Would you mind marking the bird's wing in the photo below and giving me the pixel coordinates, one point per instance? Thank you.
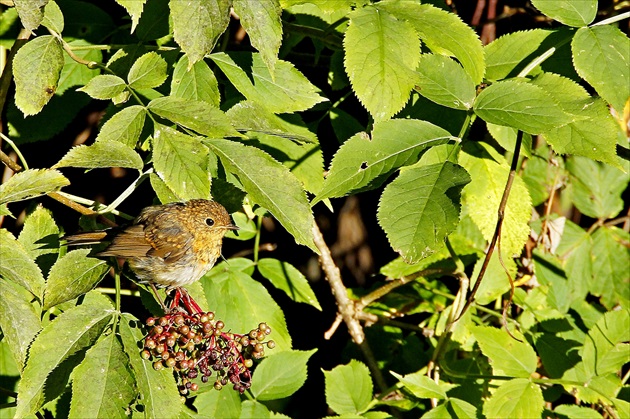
(128, 243)
(168, 238)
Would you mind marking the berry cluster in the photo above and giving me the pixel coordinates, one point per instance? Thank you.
(197, 345)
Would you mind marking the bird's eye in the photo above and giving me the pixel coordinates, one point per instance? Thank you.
(210, 221)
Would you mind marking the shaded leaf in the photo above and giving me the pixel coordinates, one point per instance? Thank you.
(287, 278)
(421, 386)
(219, 404)
(197, 82)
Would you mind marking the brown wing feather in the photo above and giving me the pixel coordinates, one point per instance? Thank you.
(129, 243)
(92, 237)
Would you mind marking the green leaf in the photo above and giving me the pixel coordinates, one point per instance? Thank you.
(549, 272)
(611, 264)
(252, 116)
(147, 72)
(506, 137)
(601, 56)
(104, 87)
(421, 386)
(594, 135)
(270, 185)
(124, 126)
(219, 404)
(53, 17)
(482, 197)
(71, 332)
(577, 412)
(287, 91)
(518, 398)
(198, 116)
(104, 153)
(287, 278)
(452, 408)
(40, 234)
(596, 187)
(460, 40)
(73, 275)
(495, 281)
(18, 266)
(163, 192)
(111, 390)
(197, 25)
(362, 164)
(421, 207)
(76, 74)
(157, 389)
(445, 82)
(571, 13)
(243, 303)
(508, 54)
(575, 250)
(180, 161)
(31, 183)
(20, 320)
(381, 54)
(261, 20)
(348, 388)
(134, 8)
(507, 355)
(280, 375)
(606, 349)
(31, 12)
(520, 105)
(36, 69)
(251, 409)
(195, 83)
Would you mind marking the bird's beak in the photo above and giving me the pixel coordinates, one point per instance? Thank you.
(232, 227)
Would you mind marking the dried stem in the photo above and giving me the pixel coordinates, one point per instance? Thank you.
(346, 306)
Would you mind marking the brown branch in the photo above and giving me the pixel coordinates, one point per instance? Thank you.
(346, 306)
(500, 217)
(9, 163)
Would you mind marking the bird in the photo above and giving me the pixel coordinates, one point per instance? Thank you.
(167, 246)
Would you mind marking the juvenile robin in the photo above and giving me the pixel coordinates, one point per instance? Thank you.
(168, 245)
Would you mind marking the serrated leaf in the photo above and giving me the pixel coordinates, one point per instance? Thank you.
(197, 82)
(460, 40)
(261, 20)
(147, 72)
(482, 196)
(252, 116)
(495, 281)
(73, 275)
(288, 91)
(180, 161)
(36, 70)
(611, 267)
(577, 412)
(18, 266)
(195, 115)
(197, 25)
(108, 393)
(348, 388)
(40, 234)
(421, 207)
(571, 13)
(508, 54)
(520, 105)
(362, 164)
(518, 398)
(104, 87)
(163, 192)
(601, 56)
(507, 355)
(443, 81)
(219, 404)
(280, 375)
(452, 408)
(31, 12)
(134, 8)
(20, 320)
(53, 17)
(421, 386)
(594, 135)
(71, 332)
(243, 303)
(596, 187)
(270, 185)
(31, 183)
(287, 278)
(381, 54)
(606, 349)
(124, 126)
(159, 395)
(104, 153)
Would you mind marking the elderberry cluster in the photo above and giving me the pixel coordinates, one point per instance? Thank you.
(197, 345)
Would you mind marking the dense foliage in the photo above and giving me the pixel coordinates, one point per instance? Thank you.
(500, 172)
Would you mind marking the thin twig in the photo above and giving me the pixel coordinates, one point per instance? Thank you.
(497, 230)
(346, 306)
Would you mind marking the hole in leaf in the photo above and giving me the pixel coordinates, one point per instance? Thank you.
(364, 165)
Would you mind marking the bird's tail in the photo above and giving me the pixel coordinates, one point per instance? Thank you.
(90, 237)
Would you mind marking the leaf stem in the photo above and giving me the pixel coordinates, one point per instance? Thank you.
(126, 192)
(257, 238)
(17, 151)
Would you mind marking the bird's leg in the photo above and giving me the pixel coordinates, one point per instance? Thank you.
(158, 298)
(190, 304)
